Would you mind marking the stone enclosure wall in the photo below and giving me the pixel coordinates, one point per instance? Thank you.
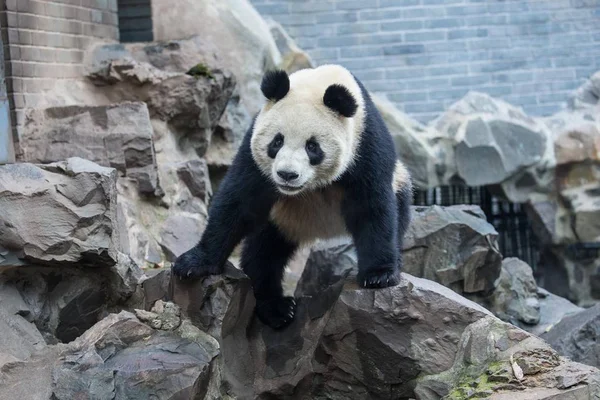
(44, 42)
(426, 54)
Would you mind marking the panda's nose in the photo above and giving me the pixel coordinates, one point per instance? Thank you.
(287, 175)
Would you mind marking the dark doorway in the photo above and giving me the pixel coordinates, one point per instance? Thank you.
(135, 20)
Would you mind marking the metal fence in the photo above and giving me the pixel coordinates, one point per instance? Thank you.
(515, 235)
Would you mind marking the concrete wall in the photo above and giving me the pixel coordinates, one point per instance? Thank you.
(425, 54)
(44, 41)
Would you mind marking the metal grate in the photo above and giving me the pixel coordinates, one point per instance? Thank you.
(515, 236)
(135, 21)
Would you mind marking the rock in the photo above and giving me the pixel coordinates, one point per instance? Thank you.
(237, 33)
(117, 136)
(17, 378)
(125, 279)
(416, 340)
(195, 175)
(242, 43)
(571, 272)
(578, 145)
(483, 368)
(19, 337)
(583, 203)
(543, 218)
(228, 134)
(552, 310)
(61, 214)
(485, 141)
(191, 105)
(576, 336)
(454, 246)
(156, 286)
(208, 301)
(122, 358)
(164, 315)
(412, 141)
(64, 302)
(515, 298)
(181, 172)
(293, 58)
(180, 233)
(494, 142)
(588, 95)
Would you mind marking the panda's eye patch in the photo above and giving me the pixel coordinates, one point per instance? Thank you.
(275, 145)
(315, 154)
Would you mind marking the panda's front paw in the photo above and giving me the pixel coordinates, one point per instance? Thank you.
(277, 312)
(192, 265)
(379, 278)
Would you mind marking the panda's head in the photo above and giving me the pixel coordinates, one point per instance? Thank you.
(307, 133)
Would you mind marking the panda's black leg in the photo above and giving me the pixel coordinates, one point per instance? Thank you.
(372, 219)
(242, 202)
(264, 257)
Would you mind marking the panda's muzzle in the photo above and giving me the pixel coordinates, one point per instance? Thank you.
(288, 176)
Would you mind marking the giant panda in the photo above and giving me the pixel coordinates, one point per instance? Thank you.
(317, 162)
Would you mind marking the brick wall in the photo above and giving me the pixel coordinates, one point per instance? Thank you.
(44, 41)
(426, 54)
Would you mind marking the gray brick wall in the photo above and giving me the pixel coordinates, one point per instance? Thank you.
(44, 40)
(426, 54)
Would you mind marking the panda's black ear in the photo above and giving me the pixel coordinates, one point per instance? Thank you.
(275, 84)
(339, 99)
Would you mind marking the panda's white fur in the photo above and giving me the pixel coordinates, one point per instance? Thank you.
(314, 211)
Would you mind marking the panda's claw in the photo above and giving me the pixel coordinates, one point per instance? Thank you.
(192, 265)
(380, 278)
(277, 312)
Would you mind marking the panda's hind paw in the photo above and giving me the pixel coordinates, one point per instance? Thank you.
(191, 265)
(277, 312)
(380, 278)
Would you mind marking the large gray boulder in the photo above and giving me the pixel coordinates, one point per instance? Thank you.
(515, 298)
(553, 309)
(121, 358)
(117, 136)
(576, 336)
(416, 340)
(485, 133)
(61, 214)
(454, 246)
(190, 103)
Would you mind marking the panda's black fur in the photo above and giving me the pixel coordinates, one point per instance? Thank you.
(376, 217)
